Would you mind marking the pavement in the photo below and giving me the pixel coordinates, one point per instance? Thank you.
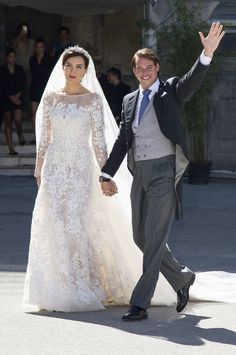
(204, 240)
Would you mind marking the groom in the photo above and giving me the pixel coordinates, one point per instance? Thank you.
(151, 134)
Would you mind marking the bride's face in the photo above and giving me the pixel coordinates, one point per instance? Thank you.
(74, 69)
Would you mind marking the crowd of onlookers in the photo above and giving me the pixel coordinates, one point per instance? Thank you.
(24, 75)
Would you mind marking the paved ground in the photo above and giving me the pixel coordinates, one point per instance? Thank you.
(205, 239)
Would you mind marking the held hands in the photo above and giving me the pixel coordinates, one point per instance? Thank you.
(212, 41)
(109, 188)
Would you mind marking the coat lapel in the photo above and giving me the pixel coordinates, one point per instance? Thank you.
(157, 101)
(131, 106)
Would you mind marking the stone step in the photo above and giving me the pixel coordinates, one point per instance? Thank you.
(17, 170)
(22, 164)
(21, 149)
(20, 160)
(28, 134)
(27, 125)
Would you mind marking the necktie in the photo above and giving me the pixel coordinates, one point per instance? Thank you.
(144, 103)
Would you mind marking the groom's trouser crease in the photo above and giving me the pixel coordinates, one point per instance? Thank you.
(153, 206)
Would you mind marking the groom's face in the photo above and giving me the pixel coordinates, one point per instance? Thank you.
(146, 71)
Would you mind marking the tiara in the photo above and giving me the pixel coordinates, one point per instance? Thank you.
(76, 49)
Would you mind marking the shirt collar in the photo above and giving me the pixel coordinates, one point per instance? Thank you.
(154, 87)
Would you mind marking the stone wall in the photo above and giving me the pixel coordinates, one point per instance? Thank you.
(122, 38)
(222, 117)
(86, 31)
(113, 38)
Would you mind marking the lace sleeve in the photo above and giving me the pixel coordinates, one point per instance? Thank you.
(45, 137)
(98, 132)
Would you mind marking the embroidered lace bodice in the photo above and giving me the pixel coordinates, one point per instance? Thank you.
(69, 120)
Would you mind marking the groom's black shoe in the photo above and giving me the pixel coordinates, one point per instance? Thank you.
(135, 313)
(183, 295)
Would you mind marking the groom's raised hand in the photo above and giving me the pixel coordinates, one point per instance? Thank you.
(109, 188)
(212, 41)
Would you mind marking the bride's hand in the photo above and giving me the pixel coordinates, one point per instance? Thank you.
(109, 188)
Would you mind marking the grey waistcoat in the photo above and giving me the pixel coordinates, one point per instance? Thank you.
(149, 142)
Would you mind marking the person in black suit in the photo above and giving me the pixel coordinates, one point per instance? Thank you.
(117, 92)
(13, 85)
(152, 135)
(41, 66)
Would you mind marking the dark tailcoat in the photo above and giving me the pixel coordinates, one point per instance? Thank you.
(168, 104)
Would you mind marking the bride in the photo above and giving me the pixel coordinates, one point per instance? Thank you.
(82, 256)
(73, 265)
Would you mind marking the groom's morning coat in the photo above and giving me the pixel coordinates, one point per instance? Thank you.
(168, 103)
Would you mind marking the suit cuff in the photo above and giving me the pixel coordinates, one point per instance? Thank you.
(106, 175)
(204, 59)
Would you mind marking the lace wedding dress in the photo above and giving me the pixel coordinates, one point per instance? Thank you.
(82, 256)
(73, 265)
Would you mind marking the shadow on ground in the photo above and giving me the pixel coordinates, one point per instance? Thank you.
(163, 323)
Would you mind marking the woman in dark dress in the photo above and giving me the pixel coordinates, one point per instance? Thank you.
(40, 69)
(13, 85)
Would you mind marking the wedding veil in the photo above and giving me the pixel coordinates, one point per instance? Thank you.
(56, 82)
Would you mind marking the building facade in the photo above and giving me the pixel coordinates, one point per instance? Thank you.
(113, 30)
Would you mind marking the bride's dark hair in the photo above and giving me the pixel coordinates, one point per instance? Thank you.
(76, 51)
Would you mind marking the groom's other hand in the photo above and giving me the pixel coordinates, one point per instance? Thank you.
(109, 188)
(212, 40)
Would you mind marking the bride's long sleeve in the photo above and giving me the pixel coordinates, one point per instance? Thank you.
(98, 133)
(44, 137)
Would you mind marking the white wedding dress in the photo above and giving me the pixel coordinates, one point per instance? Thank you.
(82, 256)
(74, 264)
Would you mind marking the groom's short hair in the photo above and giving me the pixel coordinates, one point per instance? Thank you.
(147, 53)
